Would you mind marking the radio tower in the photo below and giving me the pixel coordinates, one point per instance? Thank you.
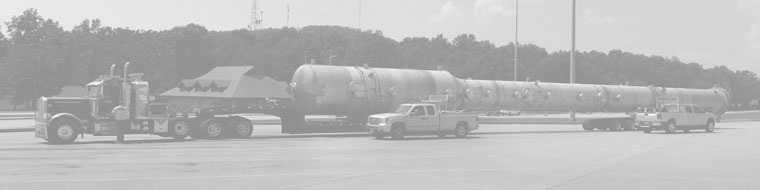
(256, 16)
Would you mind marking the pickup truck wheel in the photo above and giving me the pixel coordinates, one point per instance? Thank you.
(397, 133)
(710, 127)
(62, 132)
(670, 128)
(179, 129)
(461, 131)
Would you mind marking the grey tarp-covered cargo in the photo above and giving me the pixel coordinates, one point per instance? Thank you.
(235, 82)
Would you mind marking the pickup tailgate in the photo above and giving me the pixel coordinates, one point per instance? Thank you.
(647, 117)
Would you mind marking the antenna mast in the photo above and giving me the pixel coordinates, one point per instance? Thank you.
(256, 16)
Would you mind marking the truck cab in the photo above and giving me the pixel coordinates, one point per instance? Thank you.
(421, 119)
(672, 116)
(113, 106)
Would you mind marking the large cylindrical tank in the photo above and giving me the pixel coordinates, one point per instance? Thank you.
(713, 99)
(484, 94)
(360, 91)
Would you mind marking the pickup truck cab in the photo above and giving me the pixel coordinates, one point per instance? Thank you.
(421, 119)
(675, 116)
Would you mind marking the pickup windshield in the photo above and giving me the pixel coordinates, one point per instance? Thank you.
(403, 109)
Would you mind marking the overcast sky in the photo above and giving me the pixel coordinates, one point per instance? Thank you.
(709, 32)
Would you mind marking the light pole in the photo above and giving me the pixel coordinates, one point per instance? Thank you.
(305, 57)
(516, 43)
(331, 56)
(572, 48)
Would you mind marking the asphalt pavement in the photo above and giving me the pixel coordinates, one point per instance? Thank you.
(493, 157)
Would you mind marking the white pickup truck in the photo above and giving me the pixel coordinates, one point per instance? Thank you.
(421, 119)
(675, 116)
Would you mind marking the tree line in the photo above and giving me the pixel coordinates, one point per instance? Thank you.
(38, 57)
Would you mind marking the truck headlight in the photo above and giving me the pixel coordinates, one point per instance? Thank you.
(382, 120)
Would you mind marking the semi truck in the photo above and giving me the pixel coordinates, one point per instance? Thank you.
(114, 106)
(211, 106)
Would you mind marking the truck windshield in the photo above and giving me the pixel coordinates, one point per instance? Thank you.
(93, 91)
(403, 109)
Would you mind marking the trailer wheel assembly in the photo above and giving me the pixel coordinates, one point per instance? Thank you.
(208, 129)
(615, 126)
(179, 129)
(239, 128)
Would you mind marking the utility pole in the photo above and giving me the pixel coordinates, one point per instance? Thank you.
(360, 14)
(287, 22)
(331, 56)
(305, 57)
(572, 49)
(516, 43)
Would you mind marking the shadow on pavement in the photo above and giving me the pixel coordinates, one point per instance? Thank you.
(144, 141)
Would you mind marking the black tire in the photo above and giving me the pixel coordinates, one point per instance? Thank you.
(240, 128)
(179, 129)
(648, 129)
(63, 132)
(398, 132)
(461, 130)
(616, 126)
(209, 129)
(586, 126)
(670, 127)
(378, 135)
(710, 127)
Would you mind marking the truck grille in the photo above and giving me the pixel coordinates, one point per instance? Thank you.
(40, 115)
(373, 121)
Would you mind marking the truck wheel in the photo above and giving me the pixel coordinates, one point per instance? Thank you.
(461, 130)
(179, 129)
(241, 128)
(63, 132)
(616, 126)
(210, 129)
(397, 132)
(378, 135)
(710, 127)
(587, 127)
(648, 129)
(670, 128)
